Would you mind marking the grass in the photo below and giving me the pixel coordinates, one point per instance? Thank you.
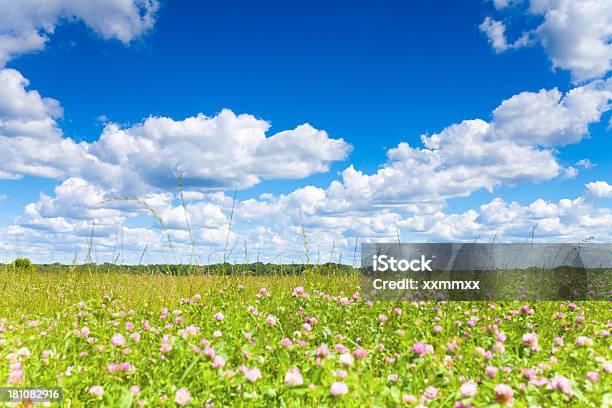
(54, 291)
(59, 327)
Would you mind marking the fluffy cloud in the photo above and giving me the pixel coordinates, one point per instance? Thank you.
(56, 159)
(192, 195)
(600, 189)
(26, 24)
(469, 156)
(574, 33)
(472, 155)
(501, 4)
(217, 152)
(406, 195)
(585, 163)
(453, 163)
(31, 142)
(76, 198)
(272, 228)
(496, 33)
(568, 220)
(549, 118)
(200, 215)
(24, 112)
(565, 220)
(66, 242)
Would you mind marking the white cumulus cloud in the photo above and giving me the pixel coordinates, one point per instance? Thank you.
(549, 118)
(600, 189)
(574, 33)
(217, 152)
(272, 228)
(26, 24)
(496, 33)
(25, 112)
(108, 186)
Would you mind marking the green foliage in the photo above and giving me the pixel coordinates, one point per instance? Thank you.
(252, 269)
(60, 328)
(23, 265)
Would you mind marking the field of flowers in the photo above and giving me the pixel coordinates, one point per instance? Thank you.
(125, 340)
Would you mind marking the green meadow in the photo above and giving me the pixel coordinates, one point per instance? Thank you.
(296, 336)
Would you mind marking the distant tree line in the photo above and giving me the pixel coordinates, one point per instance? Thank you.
(256, 269)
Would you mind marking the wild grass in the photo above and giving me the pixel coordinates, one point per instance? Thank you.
(54, 288)
(44, 315)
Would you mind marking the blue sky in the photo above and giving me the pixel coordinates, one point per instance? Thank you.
(374, 74)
